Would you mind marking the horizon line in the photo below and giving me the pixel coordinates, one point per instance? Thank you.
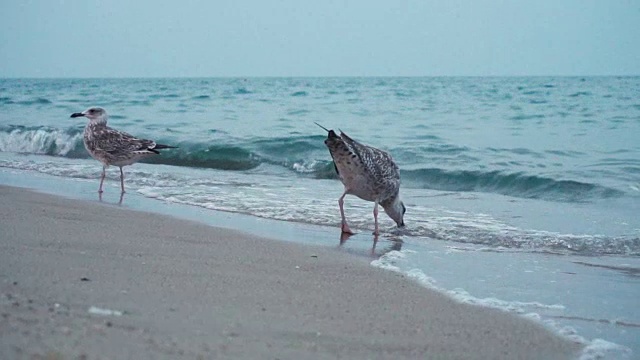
(305, 76)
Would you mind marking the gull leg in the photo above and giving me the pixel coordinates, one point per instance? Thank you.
(345, 226)
(104, 170)
(375, 218)
(122, 180)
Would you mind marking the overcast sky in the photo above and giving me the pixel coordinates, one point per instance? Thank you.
(146, 38)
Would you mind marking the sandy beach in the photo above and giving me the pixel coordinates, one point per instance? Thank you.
(82, 280)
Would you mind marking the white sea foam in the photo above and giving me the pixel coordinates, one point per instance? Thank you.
(305, 166)
(271, 197)
(39, 141)
(596, 349)
(599, 349)
(390, 261)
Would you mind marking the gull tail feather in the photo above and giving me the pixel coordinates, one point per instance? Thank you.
(324, 128)
(162, 146)
(332, 133)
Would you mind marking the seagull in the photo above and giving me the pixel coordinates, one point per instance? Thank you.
(368, 173)
(113, 147)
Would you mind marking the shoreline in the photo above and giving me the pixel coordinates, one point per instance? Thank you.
(189, 290)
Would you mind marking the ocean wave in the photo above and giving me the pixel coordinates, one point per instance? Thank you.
(501, 237)
(580, 93)
(164, 96)
(243, 91)
(306, 155)
(292, 153)
(42, 140)
(221, 157)
(35, 101)
(201, 97)
(511, 184)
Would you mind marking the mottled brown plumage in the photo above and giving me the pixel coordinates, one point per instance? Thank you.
(368, 173)
(113, 147)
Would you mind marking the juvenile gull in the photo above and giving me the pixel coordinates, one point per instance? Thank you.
(368, 173)
(113, 147)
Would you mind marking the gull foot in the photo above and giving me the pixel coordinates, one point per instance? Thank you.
(346, 230)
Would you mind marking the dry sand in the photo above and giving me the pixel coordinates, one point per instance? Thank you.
(192, 291)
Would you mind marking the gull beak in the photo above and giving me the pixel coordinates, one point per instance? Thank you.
(75, 115)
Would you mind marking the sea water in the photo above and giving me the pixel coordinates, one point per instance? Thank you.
(521, 193)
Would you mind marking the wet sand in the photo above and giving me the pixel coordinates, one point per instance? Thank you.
(180, 289)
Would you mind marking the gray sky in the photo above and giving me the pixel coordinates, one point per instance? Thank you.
(146, 38)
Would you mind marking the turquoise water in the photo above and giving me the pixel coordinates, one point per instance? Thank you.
(531, 166)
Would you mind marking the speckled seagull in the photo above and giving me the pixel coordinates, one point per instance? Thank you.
(113, 147)
(368, 173)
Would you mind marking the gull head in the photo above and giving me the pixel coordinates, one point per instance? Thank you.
(93, 113)
(396, 210)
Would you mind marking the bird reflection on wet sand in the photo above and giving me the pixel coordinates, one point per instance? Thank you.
(395, 244)
(119, 201)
